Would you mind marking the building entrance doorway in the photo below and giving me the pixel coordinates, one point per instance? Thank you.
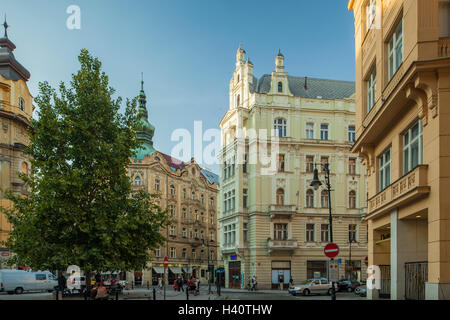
(281, 274)
(416, 274)
(234, 275)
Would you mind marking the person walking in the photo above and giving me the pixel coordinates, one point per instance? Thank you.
(198, 285)
(160, 283)
(61, 282)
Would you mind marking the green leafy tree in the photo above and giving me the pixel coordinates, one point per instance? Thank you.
(81, 209)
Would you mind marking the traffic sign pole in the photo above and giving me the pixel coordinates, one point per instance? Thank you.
(166, 264)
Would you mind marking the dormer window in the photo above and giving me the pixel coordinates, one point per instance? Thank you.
(280, 86)
(137, 181)
(21, 104)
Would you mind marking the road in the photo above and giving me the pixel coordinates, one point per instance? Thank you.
(226, 294)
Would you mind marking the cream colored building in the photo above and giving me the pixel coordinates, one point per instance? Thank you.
(189, 193)
(274, 224)
(16, 108)
(403, 132)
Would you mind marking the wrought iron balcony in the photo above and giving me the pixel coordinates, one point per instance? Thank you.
(412, 186)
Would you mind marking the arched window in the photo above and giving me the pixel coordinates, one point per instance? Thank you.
(184, 194)
(309, 198)
(21, 104)
(352, 199)
(324, 198)
(280, 86)
(172, 189)
(137, 181)
(279, 126)
(280, 197)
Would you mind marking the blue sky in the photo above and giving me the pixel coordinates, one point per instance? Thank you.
(186, 48)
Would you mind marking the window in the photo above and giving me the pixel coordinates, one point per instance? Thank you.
(324, 233)
(172, 211)
(173, 231)
(211, 255)
(193, 195)
(244, 166)
(238, 101)
(352, 199)
(280, 197)
(280, 231)
(309, 232)
(371, 82)
(245, 198)
(193, 254)
(309, 198)
(245, 232)
(202, 199)
(157, 186)
(352, 232)
(211, 236)
(352, 166)
(324, 198)
(230, 234)
(385, 169)
(184, 233)
(444, 19)
(412, 147)
(351, 134)
(280, 87)
(21, 104)
(158, 252)
(184, 253)
(211, 218)
(202, 234)
(309, 163)
(184, 194)
(395, 50)
(310, 131)
(281, 163)
(211, 201)
(137, 181)
(279, 126)
(233, 201)
(202, 217)
(371, 12)
(190, 233)
(184, 213)
(41, 276)
(196, 234)
(324, 132)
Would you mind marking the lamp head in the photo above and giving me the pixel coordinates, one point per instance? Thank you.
(315, 183)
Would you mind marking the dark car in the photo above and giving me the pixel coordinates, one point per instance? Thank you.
(348, 285)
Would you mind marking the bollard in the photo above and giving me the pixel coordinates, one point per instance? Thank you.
(187, 294)
(154, 294)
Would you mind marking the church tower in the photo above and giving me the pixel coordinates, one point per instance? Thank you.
(146, 129)
(16, 108)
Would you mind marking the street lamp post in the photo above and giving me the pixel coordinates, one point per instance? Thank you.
(316, 183)
(209, 270)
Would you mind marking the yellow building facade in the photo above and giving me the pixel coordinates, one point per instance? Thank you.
(189, 194)
(16, 108)
(403, 133)
(272, 224)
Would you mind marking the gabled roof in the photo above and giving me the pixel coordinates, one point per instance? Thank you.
(323, 88)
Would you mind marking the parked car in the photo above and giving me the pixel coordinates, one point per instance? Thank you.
(19, 281)
(312, 286)
(348, 285)
(361, 291)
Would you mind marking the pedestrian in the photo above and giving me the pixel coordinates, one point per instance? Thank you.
(98, 278)
(291, 281)
(198, 286)
(61, 282)
(256, 284)
(160, 283)
(175, 285)
(182, 283)
(253, 283)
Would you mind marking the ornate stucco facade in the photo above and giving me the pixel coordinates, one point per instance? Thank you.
(16, 107)
(274, 224)
(189, 193)
(403, 130)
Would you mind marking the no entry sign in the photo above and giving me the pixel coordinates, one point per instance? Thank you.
(331, 250)
(166, 262)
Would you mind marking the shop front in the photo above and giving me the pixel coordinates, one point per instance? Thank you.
(281, 274)
(234, 274)
(316, 269)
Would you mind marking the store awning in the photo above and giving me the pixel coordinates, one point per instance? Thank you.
(176, 270)
(159, 270)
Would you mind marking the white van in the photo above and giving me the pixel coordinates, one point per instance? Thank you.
(18, 281)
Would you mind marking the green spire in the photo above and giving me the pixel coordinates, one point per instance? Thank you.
(146, 129)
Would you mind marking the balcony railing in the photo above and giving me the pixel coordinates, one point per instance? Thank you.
(444, 47)
(283, 245)
(281, 211)
(411, 186)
